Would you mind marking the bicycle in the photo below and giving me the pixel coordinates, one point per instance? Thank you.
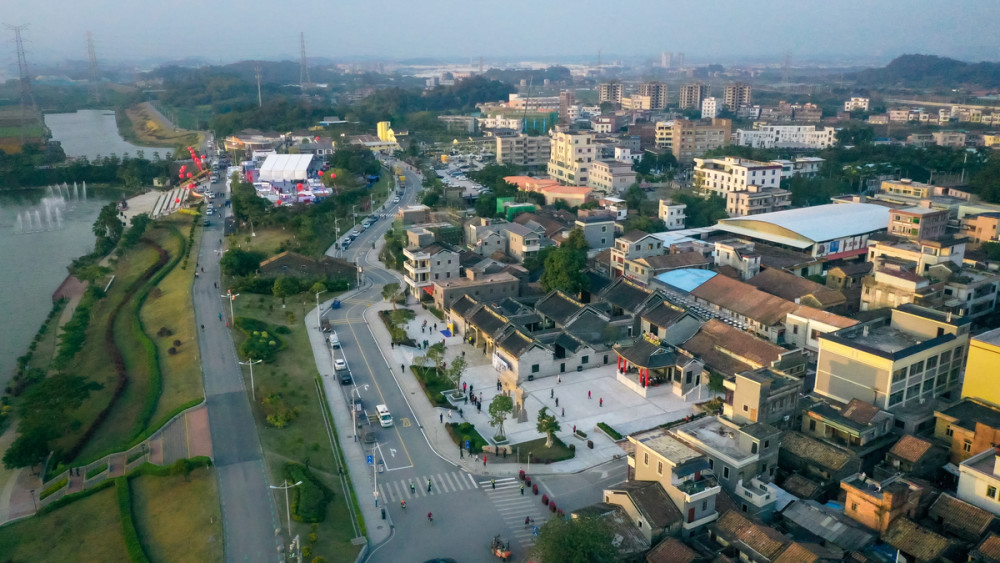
(430, 518)
(402, 504)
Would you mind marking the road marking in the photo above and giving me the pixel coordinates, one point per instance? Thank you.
(406, 422)
(392, 452)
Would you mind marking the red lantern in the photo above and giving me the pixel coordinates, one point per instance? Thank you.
(320, 172)
(317, 138)
(332, 175)
(299, 187)
(177, 200)
(190, 174)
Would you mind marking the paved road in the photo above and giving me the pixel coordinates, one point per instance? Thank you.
(248, 512)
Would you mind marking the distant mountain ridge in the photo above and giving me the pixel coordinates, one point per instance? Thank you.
(931, 70)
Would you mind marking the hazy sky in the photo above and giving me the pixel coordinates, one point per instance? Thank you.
(225, 30)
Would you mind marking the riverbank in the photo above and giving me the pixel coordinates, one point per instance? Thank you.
(142, 125)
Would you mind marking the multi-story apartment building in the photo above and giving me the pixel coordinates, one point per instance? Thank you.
(691, 95)
(915, 355)
(918, 223)
(657, 92)
(876, 504)
(524, 150)
(807, 166)
(691, 139)
(739, 255)
(632, 246)
(736, 95)
(672, 214)
(921, 255)
(710, 108)
(756, 200)
(680, 470)
(979, 480)
(856, 104)
(424, 266)
(954, 139)
(787, 137)
(982, 227)
(493, 287)
(567, 99)
(637, 102)
(598, 228)
(522, 242)
(611, 177)
(980, 372)
(610, 92)
(499, 122)
(571, 157)
(763, 395)
(967, 427)
(733, 174)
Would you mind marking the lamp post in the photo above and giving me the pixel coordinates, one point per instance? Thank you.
(250, 363)
(288, 510)
(354, 213)
(354, 411)
(375, 474)
(319, 321)
(231, 297)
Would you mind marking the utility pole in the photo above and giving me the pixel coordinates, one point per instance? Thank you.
(288, 510)
(95, 75)
(319, 321)
(256, 72)
(24, 76)
(253, 393)
(231, 297)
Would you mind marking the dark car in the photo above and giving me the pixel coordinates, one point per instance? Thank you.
(345, 378)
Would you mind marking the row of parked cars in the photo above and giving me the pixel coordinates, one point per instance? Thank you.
(358, 229)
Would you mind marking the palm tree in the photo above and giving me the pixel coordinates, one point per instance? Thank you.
(548, 425)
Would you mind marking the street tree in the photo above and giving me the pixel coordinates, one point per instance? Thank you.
(391, 293)
(565, 269)
(284, 286)
(500, 408)
(455, 370)
(575, 540)
(237, 262)
(548, 425)
(435, 353)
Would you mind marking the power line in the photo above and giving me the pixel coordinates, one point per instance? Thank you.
(95, 75)
(24, 76)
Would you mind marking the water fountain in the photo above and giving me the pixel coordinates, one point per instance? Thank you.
(59, 218)
(84, 191)
(76, 192)
(38, 219)
(20, 223)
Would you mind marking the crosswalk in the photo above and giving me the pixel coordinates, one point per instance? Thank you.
(441, 483)
(515, 507)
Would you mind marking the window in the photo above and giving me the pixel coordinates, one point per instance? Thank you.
(534, 368)
(917, 368)
(958, 352)
(659, 467)
(704, 505)
(928, 385)
(766, 443)
(795, 329)
(812, 425)
(854, 506)
(725, 472)
(746, 408)
(753, 448)
(949, 432)
(711, 463)
(912, 391)
(945, 356)
(584, 359)
(932, 362)
(896, 398)
(967, 446)
(991, 491)
(899, 375)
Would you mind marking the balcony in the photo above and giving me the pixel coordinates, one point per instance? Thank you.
(695, 491)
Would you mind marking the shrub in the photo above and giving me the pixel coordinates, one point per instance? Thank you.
(53, 488)
(611, 432)
(164, 332)
(132, 543)
(172, 351)
(308, 500)
(177, 343)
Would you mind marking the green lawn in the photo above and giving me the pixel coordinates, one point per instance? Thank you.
(433, 385)
(289, 380)
(178, 519)
(89, 528)
(540, 454)
(266, 241)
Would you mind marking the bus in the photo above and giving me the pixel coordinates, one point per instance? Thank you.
(384, 417)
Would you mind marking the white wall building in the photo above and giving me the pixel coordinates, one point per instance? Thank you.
(672, 214)
(787, 137)
(731, 174)
(807, 166)
(710, 108)
(855, 104)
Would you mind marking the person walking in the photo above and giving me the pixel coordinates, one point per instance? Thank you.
(558, 379)
(527, 521)
(464, 385)
(588, 393)
(601, 401)
(522, 489)
(493, 483)
(484, 461)
(557, 401)
(428, 485)
(413, 488)
(441, 417)
(471, 387)
(564, 412)
(552, 392)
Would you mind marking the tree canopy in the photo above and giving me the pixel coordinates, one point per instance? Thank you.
(575, 540)
(565, 267)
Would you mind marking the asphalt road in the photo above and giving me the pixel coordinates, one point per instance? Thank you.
(249, 518)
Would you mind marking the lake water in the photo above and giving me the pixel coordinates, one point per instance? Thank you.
(92, 133)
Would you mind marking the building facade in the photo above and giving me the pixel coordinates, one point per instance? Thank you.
(787, 137)
(710, 108)
(756, 200)
(733, 174)
(611, 177)
(424, 266)
(524, 150)
(736, 95)
(672, 214)
(918, 223)
(610, 92)
(856, 104)
(691, 95)
(572, 155)
(657, 93)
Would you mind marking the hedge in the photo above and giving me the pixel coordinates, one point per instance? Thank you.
(611, 432)
(96, 471)
(460, 432)
(57, 504)
(53, 488)
(308, 500)
(132, 543)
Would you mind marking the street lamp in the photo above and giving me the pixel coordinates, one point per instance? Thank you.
(319, 321)
(231, 297)
(375, 474)
(354, 411)
(288, 510)
(250, 363)
(354, 212)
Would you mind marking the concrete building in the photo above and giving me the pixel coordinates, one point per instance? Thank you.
(424, 266)
(571, 157)
(854, 426)
(522, 242)
(657, 93)
(918, 223)
(687, 140)
(787, 137)
(908, 359)
(672, 214)
(493, 287)
(681, 472)
(691, 95)
(648, 507)
(980, 372)
(739, 255)
(763, 395)
(524, 150)
(632, 246)
(805, 324)
(806, 166)
(721, 176)
(822, 465)
(611, 176)
(981, 227)
(979, 480)
(876, 504)
(756, 200)
(495, 122)
(598, 228)
(567, 99)
(710, 108)
(610, 92)
(967, 428)
(736, 95)
(856, 104)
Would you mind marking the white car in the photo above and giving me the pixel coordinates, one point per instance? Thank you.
(339, 364)
(395, 199)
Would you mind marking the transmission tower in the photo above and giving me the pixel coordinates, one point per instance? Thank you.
(95, 75)
(304, 82)
(786, 67)
(256, 72)
(27, 96)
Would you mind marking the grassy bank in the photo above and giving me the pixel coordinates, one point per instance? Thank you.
(174, 519)
(142, 127)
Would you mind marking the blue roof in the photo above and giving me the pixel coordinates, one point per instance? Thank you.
(686, 279)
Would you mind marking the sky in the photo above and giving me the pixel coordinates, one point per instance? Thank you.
(706, 30)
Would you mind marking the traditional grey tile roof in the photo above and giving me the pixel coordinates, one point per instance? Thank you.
(905, 535)
(663, 314)
(833, 528)
(515, 342)
(960, 518)
(648, 355)
(487, 320)
(820, 453)
(463, 305)
(626, 295)
(650, 498)
(588, 326)
(558, 306)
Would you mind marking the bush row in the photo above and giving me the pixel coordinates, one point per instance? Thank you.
(308, 500)
(132, 543)
(264, 285)
(611, 432)
(47, 491)
(465, 431)
(74, 332)
(63, 501)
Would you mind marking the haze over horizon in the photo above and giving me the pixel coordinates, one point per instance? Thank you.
(392, 30)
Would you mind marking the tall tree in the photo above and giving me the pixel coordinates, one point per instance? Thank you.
(391, 293)
(548, 425)
(285, 286)
(500, 408)
(575, 540)
(456, 370)
(435, 353)
(565, 269)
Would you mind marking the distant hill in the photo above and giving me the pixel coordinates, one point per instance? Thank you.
(931, 70)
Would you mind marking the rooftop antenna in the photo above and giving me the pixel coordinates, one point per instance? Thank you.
(95, 75)
(256, 73)
(303, 67)
(27, 96)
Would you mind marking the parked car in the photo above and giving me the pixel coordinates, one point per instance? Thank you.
(345, 378)
(334, 340)
(339, 364)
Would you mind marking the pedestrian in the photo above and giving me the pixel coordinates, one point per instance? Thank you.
(557, 401)
(493, 483)
(471, 387)
(460, 413)
(480, 396)
(215, 284)
(461, 453)
(428, 485)
(588, 393)
(413, 488)
(449, 413)
(479, 407)
(392, 344)
(402, 367)
(220, 316)
(564, 411)
(602, 401)
(522, 489)
(527, 521)
(552, 392)
(498, 385)
(574, 429)
(484, 461)
(441, 416)
(559, 379)
(464, 385)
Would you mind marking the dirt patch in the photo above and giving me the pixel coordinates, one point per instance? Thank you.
(150, 129)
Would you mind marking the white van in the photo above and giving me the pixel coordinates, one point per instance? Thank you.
(334, 340)
(384, 417)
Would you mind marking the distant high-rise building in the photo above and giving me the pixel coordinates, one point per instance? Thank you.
(692, 94)
(710, 108)
(566, 101)
(610, 92)
(665, 59)
(680, 59)
(657, 92)
(736, 95)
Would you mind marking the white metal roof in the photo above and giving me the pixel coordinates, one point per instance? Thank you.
(816, 224)
(285, 167)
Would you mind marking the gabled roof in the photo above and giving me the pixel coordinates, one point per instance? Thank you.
(463, 305)
(550, 224)
(588, 326)
(860, 411)
(672, 550)
(821, 453)
(764, 540)
(515, 343)
(744, 300)
(487, 320)
(988, 549)
(652, 501)
(626, 295)
(797, 553)
(822, 316)
(666, 262)
(910, 448)
(558, 306)
(634, 235)
(834, 528)
(800, 486)
(905, 535)
(791, 287)
(648, 355)
(663, 314)
(728, 350)
(960, 518)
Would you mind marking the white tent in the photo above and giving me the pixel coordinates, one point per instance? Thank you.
(285, 167)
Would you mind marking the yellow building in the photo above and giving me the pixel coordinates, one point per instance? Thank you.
(982, 374)
(385, 132)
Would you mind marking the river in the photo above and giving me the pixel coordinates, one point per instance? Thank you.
(92, 133)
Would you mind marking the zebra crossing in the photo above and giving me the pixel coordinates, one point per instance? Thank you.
(515, 507)
(441, 483)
